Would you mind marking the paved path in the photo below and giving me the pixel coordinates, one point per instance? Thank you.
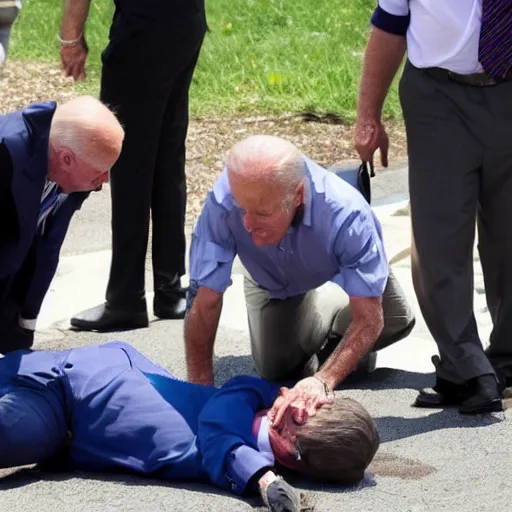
(428, 460)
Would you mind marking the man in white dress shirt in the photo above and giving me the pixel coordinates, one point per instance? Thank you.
(456, 97)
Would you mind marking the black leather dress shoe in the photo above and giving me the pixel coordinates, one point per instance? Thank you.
(103, 318)
(170, 305)
(443, 394)
(484, 396)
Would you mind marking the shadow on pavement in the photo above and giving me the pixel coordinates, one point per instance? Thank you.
(392, 428)
(227, 367)
(388, 378)
(29, 475)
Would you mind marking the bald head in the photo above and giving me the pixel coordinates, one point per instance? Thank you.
(85, 141)
(268, 159)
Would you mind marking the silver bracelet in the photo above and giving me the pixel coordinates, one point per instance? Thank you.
(69, 42)
(327, 389)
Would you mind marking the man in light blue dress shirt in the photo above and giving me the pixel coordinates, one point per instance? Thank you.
(295, 226)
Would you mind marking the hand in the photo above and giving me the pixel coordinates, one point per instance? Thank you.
(266, 480)
(280, 496)
(305, 398)
(370, 135)
(73, 59)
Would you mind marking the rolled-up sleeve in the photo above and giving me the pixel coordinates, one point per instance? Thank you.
(212, 249)
(392, 16)
(359, 249)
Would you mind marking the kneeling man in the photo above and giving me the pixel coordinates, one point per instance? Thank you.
(295, 227)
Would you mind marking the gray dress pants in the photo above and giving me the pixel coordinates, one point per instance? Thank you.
(286, 333)
(460, 173)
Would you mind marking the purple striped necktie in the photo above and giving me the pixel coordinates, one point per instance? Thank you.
(495, 49)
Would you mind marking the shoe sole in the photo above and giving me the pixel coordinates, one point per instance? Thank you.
(424, 405)
(494, 406)
(86, 326)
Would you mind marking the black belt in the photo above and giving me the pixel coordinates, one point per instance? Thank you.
(474, 79)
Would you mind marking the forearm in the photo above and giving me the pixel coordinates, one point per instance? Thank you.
(74, 18)
(201, 323)
(358, 340)
(384, 53)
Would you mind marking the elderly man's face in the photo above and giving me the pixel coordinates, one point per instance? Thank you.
(75, 175)
(267, 209)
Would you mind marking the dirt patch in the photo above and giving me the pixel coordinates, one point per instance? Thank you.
(322, 138)
(387, 464)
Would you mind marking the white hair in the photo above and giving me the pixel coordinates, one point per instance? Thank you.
(267, 157)
(88, 128)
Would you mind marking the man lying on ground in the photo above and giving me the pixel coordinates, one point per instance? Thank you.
(106, 407)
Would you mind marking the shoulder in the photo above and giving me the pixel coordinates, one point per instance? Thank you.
(26, 132)
(219, 202)
(220, 194)
(332, 197)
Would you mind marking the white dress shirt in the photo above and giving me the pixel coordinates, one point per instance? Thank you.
(440, 33)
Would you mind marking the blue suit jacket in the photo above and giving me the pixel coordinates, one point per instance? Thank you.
(24, 138)
(125, 412)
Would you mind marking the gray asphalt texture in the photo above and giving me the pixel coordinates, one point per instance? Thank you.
(428, 460)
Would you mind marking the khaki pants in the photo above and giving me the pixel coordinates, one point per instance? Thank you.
(286, 333)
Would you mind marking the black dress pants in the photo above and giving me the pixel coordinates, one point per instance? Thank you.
(146, 75)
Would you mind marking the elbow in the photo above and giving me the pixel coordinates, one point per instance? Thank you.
(202, 301)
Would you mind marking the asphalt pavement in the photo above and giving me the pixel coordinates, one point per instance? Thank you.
(428, 461)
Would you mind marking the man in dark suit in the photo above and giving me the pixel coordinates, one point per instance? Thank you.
(147, 70)
(106, 407)
(50, 158)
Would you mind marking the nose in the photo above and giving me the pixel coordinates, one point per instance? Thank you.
(249, 223)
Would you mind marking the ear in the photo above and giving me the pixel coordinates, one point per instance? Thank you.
(66, 158)
(299, 194)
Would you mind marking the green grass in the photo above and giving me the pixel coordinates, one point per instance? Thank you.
(261, 56)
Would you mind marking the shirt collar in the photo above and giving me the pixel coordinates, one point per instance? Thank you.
(306, 215)
(264, 446)
(303, 213)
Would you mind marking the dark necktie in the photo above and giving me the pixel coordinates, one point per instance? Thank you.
(48, 202)
(495, 49)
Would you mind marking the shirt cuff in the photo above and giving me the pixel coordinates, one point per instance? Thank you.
(355, 284)
(391, 23)
(242, 463)
(219, 281)
(27, 323)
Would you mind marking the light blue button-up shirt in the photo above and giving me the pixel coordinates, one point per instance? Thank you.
(338, 239)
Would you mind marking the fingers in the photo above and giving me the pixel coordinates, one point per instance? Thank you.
(281, 408)
(73, 59)
(368, 138)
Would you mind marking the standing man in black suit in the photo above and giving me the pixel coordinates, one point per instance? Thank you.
(147, 71)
